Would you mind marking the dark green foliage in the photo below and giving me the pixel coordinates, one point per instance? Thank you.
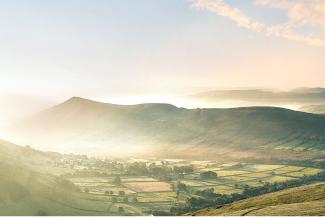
(197, 202)
(114, 199)
(208, 192)
(160, 213)
(117, 181)
(208, 175)
(181, 186)
(121, 209)
(136, 168)
(41, 213)
(183, 169)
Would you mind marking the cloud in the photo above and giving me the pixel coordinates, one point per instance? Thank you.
(222, 9)
(300, 14)
(311, 12)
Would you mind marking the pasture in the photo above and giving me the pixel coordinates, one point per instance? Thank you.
(148, 186)
(137, 195)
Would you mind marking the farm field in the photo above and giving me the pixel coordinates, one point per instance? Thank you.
(137, 195)
(141, 186)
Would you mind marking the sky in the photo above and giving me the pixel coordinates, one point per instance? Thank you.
(133, 48)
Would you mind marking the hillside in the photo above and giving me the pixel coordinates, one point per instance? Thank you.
(304, 200)
(28, 190)
(316, 109)
(92, 127)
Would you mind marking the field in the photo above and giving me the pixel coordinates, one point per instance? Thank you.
(142, 194)
(148, 186)
(300, 201)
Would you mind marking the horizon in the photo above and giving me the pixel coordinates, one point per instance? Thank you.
(15, 107)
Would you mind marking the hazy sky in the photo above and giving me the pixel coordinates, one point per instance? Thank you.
(110, 47)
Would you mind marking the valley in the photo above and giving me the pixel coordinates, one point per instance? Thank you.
(67, 184)
(162, 108)
(155, 159)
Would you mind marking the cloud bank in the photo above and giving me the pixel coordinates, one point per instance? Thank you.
(300, 13)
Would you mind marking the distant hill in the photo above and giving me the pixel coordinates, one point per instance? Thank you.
(300, 201)
(92, 127)
(301, 96)
(317, 109)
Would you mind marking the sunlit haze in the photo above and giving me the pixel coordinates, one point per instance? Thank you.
(131, 52)
(162, 107)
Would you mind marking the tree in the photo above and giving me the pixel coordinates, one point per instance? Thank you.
(121, 209)
(106, 193)
(121, 193)
(41, 213)
(208, 175)
(137, 168)
(86, 190)
(181, 186)
(196, 202)
(125, 199)
(134, 199)
(173, 210)
(117, 181)
(177, 194)
(184, 169)
(114, 200)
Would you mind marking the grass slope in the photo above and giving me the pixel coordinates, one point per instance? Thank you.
(25, 191)
(80, 122)
(304, 200)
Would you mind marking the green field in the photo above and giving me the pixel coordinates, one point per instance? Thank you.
(145, 193)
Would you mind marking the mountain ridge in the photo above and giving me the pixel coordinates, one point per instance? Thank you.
(105, 125)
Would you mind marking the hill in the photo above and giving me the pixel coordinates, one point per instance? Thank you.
(316, 109)
(92, 127)
(28, 190)
(304, 200)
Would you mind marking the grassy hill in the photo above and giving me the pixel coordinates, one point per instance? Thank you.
(304, 200)
(26, 190)
(92, 127)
